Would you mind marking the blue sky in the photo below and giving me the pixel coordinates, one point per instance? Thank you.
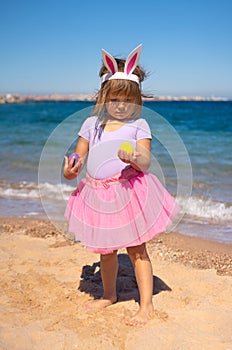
(55, 46)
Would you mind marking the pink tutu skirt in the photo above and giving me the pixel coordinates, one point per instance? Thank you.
(125, 210)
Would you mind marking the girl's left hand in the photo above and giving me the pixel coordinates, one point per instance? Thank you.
(139, 160)
(129, 158)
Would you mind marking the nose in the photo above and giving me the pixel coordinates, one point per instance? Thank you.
(121, 105)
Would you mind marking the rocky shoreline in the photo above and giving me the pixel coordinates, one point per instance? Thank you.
(173, 247)
(17, 98)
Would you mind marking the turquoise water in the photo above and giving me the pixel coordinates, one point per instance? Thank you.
(205, 128)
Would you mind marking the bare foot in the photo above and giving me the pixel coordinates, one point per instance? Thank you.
(141, 317)
(99, 304)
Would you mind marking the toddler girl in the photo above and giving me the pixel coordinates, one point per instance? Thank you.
(119, 204)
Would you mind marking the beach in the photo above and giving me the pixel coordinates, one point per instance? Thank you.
(46, 279)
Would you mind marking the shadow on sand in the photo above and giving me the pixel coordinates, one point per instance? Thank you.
(127, 289)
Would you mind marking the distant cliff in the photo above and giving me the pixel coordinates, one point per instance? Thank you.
(17, 98)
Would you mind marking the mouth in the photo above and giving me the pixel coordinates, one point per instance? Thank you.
(120, 113)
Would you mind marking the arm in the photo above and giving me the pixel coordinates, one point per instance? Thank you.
(139, 160)
(82, 147)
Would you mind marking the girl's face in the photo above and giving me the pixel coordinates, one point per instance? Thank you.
(120, 107)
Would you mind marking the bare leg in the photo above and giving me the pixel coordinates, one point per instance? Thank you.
(144, 276)
(109, 270)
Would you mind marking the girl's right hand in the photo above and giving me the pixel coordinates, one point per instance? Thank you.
(70, 171)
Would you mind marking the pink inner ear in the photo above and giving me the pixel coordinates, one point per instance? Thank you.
(131, 63)
(110, 64)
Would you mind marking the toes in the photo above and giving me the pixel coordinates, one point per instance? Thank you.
(135, 322)
(139, 319)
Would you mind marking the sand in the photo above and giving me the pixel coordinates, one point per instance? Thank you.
(46, 279)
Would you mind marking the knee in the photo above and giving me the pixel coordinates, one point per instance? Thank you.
(138, 252)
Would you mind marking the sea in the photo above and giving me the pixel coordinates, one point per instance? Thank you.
(191, 155)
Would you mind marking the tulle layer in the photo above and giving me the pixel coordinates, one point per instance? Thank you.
(123, 211)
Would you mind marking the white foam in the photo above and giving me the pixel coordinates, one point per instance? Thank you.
(197, 208)
(57, 191)
(206, 208)
(32, 190)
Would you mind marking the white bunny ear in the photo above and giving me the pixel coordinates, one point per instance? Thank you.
(109, 62)
(132, 60)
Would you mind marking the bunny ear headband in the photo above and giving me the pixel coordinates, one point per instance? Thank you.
(130, 64)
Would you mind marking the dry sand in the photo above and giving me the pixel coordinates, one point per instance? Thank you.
(45, 280)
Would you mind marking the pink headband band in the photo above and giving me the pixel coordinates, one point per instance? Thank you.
(130, 64)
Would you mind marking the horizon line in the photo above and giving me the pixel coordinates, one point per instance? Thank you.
(20, 98)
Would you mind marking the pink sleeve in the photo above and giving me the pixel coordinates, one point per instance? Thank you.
(143, 131)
